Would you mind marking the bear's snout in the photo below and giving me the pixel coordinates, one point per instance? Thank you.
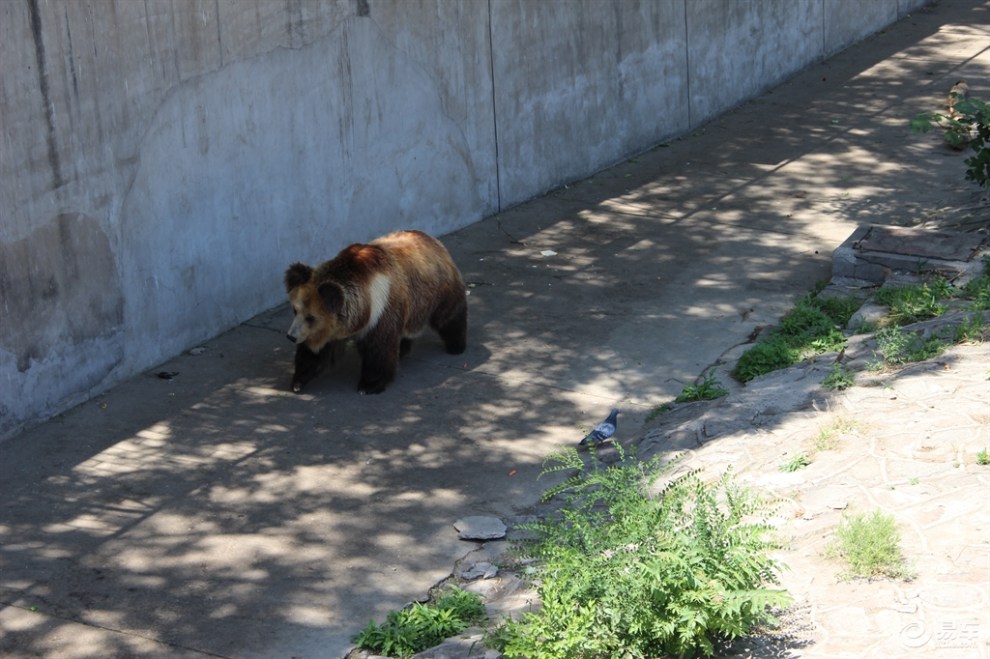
(290, 337)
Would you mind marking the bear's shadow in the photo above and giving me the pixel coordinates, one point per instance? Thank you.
(426, 365)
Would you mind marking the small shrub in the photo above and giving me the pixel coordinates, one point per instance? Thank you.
(870, 545)
(622, 572)
(422, 626)
(966, 124)
(983, 458)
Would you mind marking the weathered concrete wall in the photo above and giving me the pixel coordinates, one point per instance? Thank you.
(161, 162)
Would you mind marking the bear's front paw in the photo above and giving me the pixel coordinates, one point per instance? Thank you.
(376, 387)
(296, 387)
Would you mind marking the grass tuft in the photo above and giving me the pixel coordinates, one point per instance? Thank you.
(870, 545)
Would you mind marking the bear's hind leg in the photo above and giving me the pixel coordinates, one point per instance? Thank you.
(452, 328)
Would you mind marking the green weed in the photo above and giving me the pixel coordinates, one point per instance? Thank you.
(973, 329)
(983, 458)
(838, 378)
(767, 356)
(799, 461)
(977, 290)
(896, 347)
(910, 304)
(967, 124)
(870, 545)
(421, 626)
(812, 327)
(623, 572)
(708, 389)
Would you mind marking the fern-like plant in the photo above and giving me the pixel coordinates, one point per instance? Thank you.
(624, 572)
(421, 626)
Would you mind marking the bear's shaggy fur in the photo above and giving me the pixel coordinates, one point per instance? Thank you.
(381, 295)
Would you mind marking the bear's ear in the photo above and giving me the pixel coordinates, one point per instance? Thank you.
(297, 275)
(332, 296)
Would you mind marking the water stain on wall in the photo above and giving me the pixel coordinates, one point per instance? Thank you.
(41, 58)
(59, 288)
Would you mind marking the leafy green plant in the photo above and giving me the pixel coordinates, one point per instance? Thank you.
(966, 124)
(870, 545)
(983, 458)
(909, 304)
(810, 328)
(708, 389)
(624, 572)
(972, 329)
(838, 378)
(769, 355)
(421, 626)
(799, 461)
(896, 347)
(916, 302)
(977, 290)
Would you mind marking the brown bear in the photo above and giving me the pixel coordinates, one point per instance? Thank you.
(382, 295)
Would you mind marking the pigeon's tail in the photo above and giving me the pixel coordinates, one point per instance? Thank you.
(602, 431)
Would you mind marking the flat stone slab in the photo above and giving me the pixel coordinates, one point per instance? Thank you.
(479, 527)
(947, 245)
(872, 253)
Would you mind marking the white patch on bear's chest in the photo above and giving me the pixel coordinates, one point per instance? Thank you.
(378, 292)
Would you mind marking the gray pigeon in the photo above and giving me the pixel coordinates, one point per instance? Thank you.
(602, 431)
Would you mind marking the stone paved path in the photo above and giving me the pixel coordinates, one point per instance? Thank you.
(903, 442)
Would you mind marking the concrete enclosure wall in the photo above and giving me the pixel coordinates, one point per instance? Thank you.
(161, 162)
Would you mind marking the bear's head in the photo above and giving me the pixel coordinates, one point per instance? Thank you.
(316, 308)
